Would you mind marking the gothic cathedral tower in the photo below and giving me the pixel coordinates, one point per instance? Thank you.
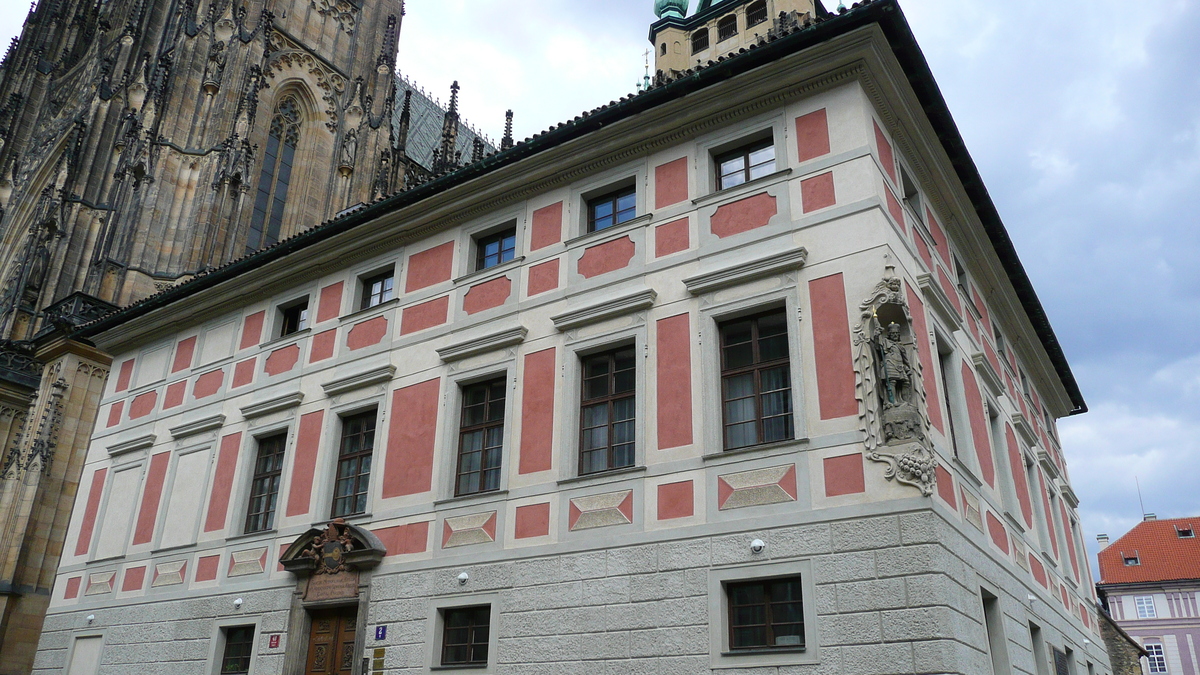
(143, 142)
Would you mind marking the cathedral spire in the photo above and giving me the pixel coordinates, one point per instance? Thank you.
(447, 157)
(405, 121)
(507, 142)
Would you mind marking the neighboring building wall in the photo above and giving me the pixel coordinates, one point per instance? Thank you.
(628, 566)
(1124, 652)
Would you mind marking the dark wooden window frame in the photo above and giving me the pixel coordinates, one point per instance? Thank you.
(293, 318)
(484, 261)
(354, 465)
(755, 367)
(756, 13)
(768, 604)
(744, 152)
(275, 178)
(264, 485)
(727, 28)
(487, 425)
(387, 289)
(238, 650)
(699, 40)
(612, 199)
(473, 640)
(610, 400)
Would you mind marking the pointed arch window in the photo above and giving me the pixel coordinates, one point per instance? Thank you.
(276, 177)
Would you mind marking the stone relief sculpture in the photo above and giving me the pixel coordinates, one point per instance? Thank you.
(215, 70)
(891, 400)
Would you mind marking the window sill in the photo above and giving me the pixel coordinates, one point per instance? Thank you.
(478, 497)
(377, 309)
(740, 190)
(967, 472)
(251, 535)
(478, 666)
(604, 476)
(285, 340)
(175, 549)
(354, 519)
(761, 652)
(618, 229)
(489, 271)
(765, 448)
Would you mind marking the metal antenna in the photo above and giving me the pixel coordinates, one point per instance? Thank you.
(1140, 503)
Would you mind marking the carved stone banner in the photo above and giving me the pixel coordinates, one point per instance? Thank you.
(331, 587)
(891, 398)
(328, 561)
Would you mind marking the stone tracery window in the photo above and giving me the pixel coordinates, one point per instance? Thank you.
(276, 177)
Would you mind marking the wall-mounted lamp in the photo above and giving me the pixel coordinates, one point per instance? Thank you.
(237, 603)
(758, 546)
(91, 618)
(463, 579)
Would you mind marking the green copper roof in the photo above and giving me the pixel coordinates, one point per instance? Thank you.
(677, 8)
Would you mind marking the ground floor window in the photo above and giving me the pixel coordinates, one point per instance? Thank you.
(239, 645)
(1156, 657)
(766, 614)
(465, 635)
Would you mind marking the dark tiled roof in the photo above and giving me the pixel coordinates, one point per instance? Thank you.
(777, 44)
(1162, 554)
(425, 126)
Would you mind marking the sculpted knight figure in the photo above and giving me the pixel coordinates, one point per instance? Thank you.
(897, 371)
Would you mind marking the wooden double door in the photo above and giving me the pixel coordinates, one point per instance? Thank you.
(331, 642)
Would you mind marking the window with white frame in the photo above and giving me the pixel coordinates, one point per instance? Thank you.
(1145, 607)
(1156, 657)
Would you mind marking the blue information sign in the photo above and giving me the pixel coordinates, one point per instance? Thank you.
(380, 632)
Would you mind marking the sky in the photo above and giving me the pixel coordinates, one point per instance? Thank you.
(1084, 120)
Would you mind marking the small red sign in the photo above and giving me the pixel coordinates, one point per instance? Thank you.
(274, 642)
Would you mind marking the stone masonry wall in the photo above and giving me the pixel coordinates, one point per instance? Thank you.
(894, 594)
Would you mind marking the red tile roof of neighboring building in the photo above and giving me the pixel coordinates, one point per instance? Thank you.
(1162, 554)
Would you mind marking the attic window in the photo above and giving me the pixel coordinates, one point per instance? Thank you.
(756, 13)
(699, 41)
(1132, 561)
(1185, 532)
(727, 28)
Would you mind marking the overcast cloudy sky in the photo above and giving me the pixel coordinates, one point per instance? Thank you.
(1084, 119)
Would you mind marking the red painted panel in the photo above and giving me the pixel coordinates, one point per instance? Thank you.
(87, 527)
(282, 360)
(218, 502)
(925, 354)
(114, 413)
(676, 500)
(997, 532)
(412, 435)
(206, 568)
(945, 487)
(72, 590)
(330, 306)
(323, 345)
(626, 506)
(939, 237)
(1069, 544)
(143, 405)
(607, 257)
(184, 352)
(817, 193)
(151, 497)
(308, 443)
(404, 539)
(951, 290)
(671, 183)
(490, 527)
(923, 249)
(812, 135)
(430, 267)
(488, 295)
(886, 157)
(537, 412)
(674, 381)
(844, 475)
(532, 521)
(979, 425)
(1048, 512)
(543, 277)
(125, 375)
(547, 226)
(788, 482)
(175, 395)
(724, 491)
(743, 215)
(135, 578)
(1039, 572)
(425, 315)
(208, 384)
(368, 333)
(1017, 465)
(243, 372)
(895, 210)
(672, 237)
(983, 311)
(252, 330)
(831, 335)
(991, 355)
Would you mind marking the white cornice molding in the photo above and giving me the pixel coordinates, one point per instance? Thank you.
(132, 445)
(1048, 465)
(482, 345)
(988, 374)
(197, 427)
(359, 380)
(938, 300)
(1023, 427)
(745, 272)
(626, 304)
(1067, 493)
(273, 405)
